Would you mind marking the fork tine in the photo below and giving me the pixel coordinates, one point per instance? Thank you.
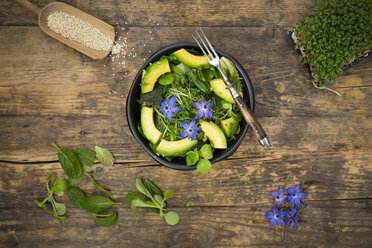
(205, 37)
(201, 47)
(205, 46)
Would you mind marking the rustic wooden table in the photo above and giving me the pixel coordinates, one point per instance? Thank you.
(51, 93)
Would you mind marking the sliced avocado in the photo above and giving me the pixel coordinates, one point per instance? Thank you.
(175, 148)
(214, 134)
(153, 72)
(229, 126)
(148, 127)
(190, 59)
(219, 88)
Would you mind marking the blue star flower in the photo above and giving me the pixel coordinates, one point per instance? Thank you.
(295, 195)
(276, 216)
(168, 108)
(293, 221)
(190, 129)
(204, 109)
(279, 197)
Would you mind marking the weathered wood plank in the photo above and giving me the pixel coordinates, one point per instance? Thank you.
(176, 13)
(231, 183)
(62, 88)
(324, 224)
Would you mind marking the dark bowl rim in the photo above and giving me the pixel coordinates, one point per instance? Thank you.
(133, 127)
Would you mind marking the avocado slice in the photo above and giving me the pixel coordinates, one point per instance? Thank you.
(190, 59)
(214, 134)
(148, 127)
(220, 89)
(175, 148)
(153, 72)
(229, 126)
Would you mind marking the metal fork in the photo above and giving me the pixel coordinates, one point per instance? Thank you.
(214, 60)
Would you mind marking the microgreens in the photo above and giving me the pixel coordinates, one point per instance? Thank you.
(339, 33)
(153, 198)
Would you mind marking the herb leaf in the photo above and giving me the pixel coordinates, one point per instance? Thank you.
(85, 156)
(204, 166)
(75, 195)
(152, 187)
(206, 151)
(171, 218)
(59, 186)
(109, 220)
(59, 208)
(154, 97)
(97, 203)
(168, 194)
(141, 188)
(69, 162)
(192, 157)
(104, 156)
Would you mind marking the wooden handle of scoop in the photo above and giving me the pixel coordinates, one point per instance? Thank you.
(30, 6)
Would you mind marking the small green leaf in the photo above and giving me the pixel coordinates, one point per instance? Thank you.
(42, 205)
(106, 221)
(204, 166)
(69, 162)
(158, 199)
(166, 79)
(85, 156)
(59, 208)
(96, 185)
(168, 194)
(131, 196)
(51, 176)
(104, 156)
(75, 195)
(139, 203)
(61, 218)
(141, 188)
(172, 218)
(74, 181)
(206, 151)
(59, 186)
(152, 187)
(192, 157)
(97, 203)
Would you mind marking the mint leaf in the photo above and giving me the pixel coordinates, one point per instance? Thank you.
(59, 186)
(109, 220)
(104, 156)
(97, 203)
(85, 156)
(75, 195)
(69, 162)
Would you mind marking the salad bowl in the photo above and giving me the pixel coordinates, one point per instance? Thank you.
(133, 108)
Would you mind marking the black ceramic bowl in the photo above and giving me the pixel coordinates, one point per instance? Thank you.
(133, 109)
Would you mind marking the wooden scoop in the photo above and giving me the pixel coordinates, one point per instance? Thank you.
(58, 6)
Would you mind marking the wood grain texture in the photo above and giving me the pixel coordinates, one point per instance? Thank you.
(51, 93)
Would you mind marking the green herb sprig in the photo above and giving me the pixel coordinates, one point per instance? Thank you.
(153, 198)
(59, 186)
(201, 157)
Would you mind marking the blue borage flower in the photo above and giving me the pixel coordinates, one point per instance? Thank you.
(295, 195)
(293, 218)
(204, 109)
(190, 129)
(168, 108)
(279, 197)
(276, 216)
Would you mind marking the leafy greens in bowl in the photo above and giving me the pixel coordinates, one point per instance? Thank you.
(180, 111)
